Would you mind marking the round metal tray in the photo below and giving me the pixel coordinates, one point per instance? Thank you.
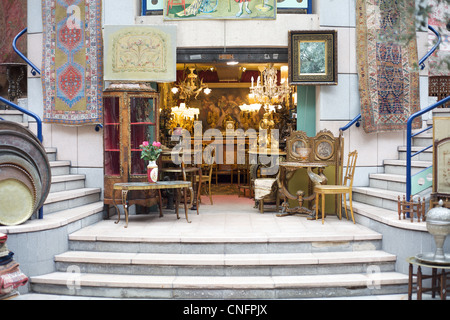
(16, 202)
(30, 169)
(14, 126)
(27, 147)
(429, 258)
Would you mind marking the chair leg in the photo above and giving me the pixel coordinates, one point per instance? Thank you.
(210, 194)
(323, 208)
(345, 205)
(317, 205)
(340, 206)
(351, 207)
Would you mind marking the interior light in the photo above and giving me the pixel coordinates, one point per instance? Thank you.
(232, 63)
(207, 91)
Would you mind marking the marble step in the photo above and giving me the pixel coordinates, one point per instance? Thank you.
(399, 166)
(12, 115)
(426, 155)
(84, 240)
(67, 182)
(62, 200)
(60, 167)
(268, 264)
(381, 198)
(51, 153)
(386, 181)
(219, 287)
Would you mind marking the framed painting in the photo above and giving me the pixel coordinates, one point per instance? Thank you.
(313, 57)
(223, 10)
(441, 155)
(140, 53)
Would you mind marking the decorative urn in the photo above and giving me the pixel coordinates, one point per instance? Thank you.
(438, 225)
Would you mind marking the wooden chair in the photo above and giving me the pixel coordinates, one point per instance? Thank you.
(206, 178)
(344, 189)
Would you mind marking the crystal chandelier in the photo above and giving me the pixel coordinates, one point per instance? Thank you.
(266, 90)
(191, 86)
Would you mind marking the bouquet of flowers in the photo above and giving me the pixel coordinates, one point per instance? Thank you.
(150, 152)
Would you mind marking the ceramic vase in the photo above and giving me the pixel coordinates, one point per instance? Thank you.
(152, 172)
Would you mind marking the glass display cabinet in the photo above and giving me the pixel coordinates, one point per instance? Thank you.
(130, 117)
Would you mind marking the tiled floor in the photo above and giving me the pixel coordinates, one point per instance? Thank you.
(229, 217)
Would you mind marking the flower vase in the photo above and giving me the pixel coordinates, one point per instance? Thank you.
(152, 172)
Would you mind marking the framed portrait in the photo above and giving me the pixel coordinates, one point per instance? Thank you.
(313, 57)
(441, 155)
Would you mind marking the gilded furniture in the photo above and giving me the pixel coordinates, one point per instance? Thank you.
(125, 188)
(341, 190)
(130, 117)
(312, 154)
(438, 280)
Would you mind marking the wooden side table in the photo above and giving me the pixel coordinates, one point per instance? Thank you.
(438, 280)
(124, 188)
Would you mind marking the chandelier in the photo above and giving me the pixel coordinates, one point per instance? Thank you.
(266, 90)
(191, 86)
(182, 112)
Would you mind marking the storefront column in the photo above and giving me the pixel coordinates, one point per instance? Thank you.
(306, 109)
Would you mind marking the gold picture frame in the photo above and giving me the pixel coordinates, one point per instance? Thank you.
(441, 156)
(313, 57)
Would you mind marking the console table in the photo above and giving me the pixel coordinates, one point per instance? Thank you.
(126, 187)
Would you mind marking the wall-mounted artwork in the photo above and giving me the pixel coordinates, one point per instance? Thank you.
(299, 6)
(441, 155)
(215, 9)
(313, 57)
(140, 53)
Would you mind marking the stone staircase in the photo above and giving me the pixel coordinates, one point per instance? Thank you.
(117, 268)
(384, 188)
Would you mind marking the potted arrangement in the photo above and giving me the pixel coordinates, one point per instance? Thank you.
(151, 153)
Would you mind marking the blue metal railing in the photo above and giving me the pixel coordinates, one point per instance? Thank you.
(34, 69)
(421, 64)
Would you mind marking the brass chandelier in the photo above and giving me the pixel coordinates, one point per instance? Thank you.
(191, 86)
(266, 90)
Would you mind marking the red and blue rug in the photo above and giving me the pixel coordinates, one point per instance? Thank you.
(72, 61)
(387, 67)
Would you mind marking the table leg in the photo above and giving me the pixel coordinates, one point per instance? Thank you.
(185, 207)
(419, 283)
(160, 203)
(125, 206)
(177, 201)
(443, 285)
(117, 209)
(433, 282)
(410, 281)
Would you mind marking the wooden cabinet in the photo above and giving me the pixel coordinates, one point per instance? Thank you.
(130, 117)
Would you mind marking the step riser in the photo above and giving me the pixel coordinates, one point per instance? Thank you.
(422, 141)
(401, 170)
(70, 203)
(242, 293)
(12, 117)
(61, 170)
(424, 156)
(239, 271)
(51, 156)
(227, 248)
(387, 185)
(375, 201)
(67, 185)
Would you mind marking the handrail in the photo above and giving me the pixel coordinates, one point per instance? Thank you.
(421, 64)
(429, 53)
(34, 69)
(28, 112)
(409, 144)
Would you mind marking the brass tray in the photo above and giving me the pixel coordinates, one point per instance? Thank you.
(16, 202)
(31, 170)
(28, 148)
(429, 258)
